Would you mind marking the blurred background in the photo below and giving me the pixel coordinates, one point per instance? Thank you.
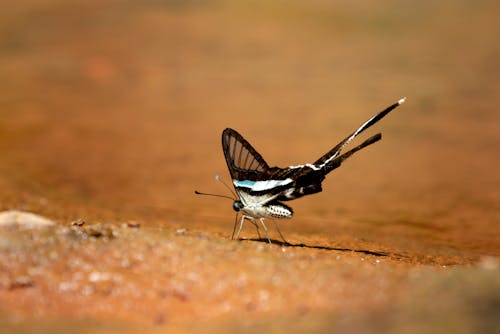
(113, 110)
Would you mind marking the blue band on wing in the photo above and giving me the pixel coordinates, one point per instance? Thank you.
(261, 185)
(244, 184)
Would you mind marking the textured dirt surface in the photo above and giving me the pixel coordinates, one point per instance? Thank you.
(111, 117)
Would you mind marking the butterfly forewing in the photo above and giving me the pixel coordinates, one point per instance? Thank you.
(243, 161)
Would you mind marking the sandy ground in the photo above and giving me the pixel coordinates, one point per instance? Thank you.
(111, 117)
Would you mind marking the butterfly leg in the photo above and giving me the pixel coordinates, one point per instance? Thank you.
(256, 227)
(265, 229)
(243, 217)
(235, 224)
(258, 231)
(281, 235)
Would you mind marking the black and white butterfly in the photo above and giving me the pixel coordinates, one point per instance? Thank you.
(261, 189)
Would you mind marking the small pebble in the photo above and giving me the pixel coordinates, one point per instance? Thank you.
(78, 222)
(22, 282)
(133, 224)
(24, 219)
(181, 231)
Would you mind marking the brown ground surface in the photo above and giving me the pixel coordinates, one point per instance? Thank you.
(111, 112)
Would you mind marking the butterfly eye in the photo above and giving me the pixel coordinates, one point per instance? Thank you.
(237, 206)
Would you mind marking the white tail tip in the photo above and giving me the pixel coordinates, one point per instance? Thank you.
(401, 101)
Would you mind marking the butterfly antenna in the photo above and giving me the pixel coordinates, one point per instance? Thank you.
(218, 178)
(214, 195)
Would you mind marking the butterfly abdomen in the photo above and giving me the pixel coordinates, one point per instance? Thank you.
(270, 210)
(277, 210)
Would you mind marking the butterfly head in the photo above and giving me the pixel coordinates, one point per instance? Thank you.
(237, 206)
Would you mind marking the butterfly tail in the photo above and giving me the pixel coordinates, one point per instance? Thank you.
(333, 154)
(335, 163)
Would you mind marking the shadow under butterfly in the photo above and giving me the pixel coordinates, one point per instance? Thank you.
(261, 189)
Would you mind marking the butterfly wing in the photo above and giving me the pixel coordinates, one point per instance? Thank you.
(258, 183)
(334, 152)
(243, 161)
(253, 179)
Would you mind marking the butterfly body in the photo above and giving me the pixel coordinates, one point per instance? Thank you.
(260, 188)
(269, 210)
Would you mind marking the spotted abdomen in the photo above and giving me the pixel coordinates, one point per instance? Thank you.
(278, 210)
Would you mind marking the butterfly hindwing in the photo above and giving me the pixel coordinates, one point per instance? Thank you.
(334, 152)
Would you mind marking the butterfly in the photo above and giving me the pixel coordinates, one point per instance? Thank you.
(262, 189)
